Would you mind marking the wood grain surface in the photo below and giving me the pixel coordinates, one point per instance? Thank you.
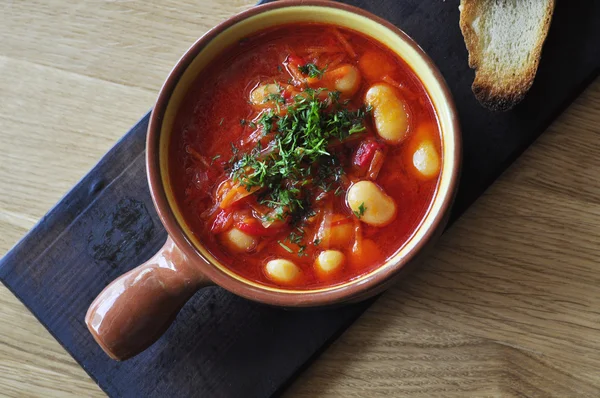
(508, 306)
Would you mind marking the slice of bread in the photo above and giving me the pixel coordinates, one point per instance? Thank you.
(504, 39)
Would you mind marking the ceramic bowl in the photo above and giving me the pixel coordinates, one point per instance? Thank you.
(133, 311)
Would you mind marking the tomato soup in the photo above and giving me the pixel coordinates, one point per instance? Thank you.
(305, 156)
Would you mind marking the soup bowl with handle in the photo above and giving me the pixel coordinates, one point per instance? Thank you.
(136, 309)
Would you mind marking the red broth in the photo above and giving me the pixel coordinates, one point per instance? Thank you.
(218, 123)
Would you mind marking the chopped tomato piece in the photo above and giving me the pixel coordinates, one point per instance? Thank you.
(287, 95)
(292, 65)
(294, 60)
(365, 153)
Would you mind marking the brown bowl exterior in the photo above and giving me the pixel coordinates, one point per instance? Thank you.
(351, 292)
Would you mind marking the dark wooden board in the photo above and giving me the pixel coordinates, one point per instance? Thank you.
(221, 345)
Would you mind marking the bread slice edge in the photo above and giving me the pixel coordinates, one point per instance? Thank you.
(492, 94)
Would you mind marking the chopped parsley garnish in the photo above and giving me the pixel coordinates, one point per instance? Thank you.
(296, 237)
(361, 210)
(297, 153)
(334, 96)
(234, 152)
(312, 70)
(266, 121)
(221, 122)
(302, 251)
(287, 249)
(214, 158)
(274, 97)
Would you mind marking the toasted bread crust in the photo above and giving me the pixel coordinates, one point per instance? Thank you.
(491, 93)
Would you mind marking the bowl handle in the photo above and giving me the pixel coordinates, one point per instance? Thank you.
(132, 312)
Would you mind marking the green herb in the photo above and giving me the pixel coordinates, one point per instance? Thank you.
(310, 213)
(285, 247)
(296, 238)
(275, 97)
(214, 158)
(243, 122)
(329, 174)
(221, 122)
(234, 154)
(334, 96)
(312, 70)
(297, 153)
(361, 210)
(339, 191)
(317, 242)
(266, 121)
(302, 251)
(325, 186)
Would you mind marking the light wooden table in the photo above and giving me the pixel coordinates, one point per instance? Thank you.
(508, 306)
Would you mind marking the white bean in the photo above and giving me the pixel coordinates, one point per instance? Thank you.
(329, 261)
(371, 204)
(346, 79)
(282, 271)
(426, 159)
(389, 111)
(260, 95)
(239, 241)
